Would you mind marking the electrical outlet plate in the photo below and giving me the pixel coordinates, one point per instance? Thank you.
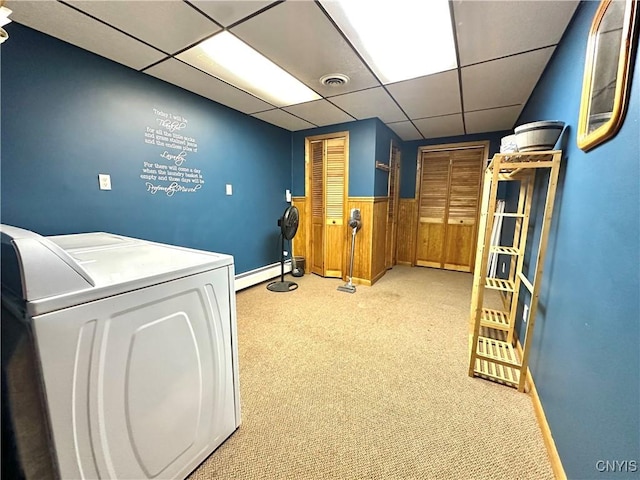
(104, 181)
(229, 189)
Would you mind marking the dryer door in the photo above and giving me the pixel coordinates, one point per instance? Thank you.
(140, 385)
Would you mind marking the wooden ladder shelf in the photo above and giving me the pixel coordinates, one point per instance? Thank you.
(492, 352)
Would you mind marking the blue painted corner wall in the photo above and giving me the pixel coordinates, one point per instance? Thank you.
(585, 358)
(384, 136)
(69, 115)
(369, 140)
(362, 144)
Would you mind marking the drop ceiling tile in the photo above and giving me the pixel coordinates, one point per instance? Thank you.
(319, 112)
(283, 119)
(490, 29)
(66, 24)
(428, 96)
(492, 120)
(227, 12)
(167, 25)
(192, 79)
(405, 130)
(374, 102)
(444, 126)
(507, 81)
(299, 37)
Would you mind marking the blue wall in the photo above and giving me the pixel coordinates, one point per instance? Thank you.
(69, 115)
(362, 149)
(384, 135)
(369, 141)
(410, 155)
(586, 355)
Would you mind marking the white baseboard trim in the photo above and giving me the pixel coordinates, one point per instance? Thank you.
(259, 275)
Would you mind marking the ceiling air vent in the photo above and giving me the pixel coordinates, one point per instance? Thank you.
(334, 80)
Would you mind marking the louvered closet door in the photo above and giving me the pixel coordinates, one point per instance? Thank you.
(464, 187)
(317, 208)
(334, 207)
(432, 205)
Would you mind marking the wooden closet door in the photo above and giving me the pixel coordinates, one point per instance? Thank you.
(334, 207)
(317, 208)
(461, 229)
(432, 209)
(393, 194)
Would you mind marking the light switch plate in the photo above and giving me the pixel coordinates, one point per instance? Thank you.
(287, 196)
(229, 189)
(105, 181)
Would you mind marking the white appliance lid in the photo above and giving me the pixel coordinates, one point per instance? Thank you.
(111, 259)
(62, 271)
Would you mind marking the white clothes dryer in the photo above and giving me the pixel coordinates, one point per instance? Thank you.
(134, 353)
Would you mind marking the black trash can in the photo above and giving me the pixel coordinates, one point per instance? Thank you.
(298, 267)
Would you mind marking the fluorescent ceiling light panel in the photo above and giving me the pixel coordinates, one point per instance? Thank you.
(4, 15)
(399, 40)
(230, 59)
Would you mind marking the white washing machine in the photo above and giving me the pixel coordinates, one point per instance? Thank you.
(134, 354)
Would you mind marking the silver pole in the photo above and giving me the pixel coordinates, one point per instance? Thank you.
(353, 248)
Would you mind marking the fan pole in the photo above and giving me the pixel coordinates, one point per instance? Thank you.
(282, 259)
(288, 225)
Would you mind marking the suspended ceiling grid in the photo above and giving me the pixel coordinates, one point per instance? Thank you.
(502, 48)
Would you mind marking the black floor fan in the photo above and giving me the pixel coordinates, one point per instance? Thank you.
(288, 227)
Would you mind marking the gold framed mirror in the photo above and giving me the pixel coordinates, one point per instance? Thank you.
(606, 83)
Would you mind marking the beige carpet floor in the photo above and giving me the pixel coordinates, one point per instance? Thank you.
(371, 385)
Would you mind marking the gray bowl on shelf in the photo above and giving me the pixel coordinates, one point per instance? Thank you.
(538, 136)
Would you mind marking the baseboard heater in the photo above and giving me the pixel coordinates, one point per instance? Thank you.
(259, 275)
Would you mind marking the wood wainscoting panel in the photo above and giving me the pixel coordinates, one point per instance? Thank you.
(370, 250)
(362, 256)
(406, 231)
(299, 248)
(379, 238)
